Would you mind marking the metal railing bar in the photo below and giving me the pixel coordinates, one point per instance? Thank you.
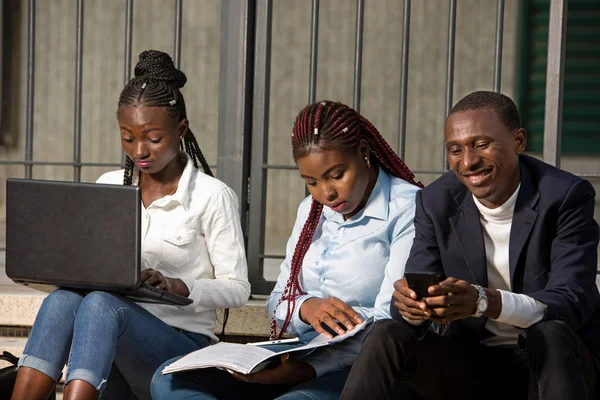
(498, 45)
(178, 18)
(358, 50)
(128, 49)
(279, 166)
(78, 93)
(404, 79)
(69, 164)
(314, 46)
(293, 168)
(30, 86)
(422, 172)
(272, 256)
(260, 142)
(555, 71)
(585, 176)
(60, 163)
(449, 70)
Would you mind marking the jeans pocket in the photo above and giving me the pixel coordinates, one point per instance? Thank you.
(177, 247)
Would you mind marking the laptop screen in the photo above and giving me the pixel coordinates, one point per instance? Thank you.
(75, 234)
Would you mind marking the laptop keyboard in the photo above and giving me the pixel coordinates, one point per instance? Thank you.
(152, 288)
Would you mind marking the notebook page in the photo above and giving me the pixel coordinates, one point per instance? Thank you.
(234, 356)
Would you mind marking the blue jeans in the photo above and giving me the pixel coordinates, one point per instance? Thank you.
(105, 339)
(212, 383)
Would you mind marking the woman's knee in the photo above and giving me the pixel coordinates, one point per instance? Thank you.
(161, 384)
(63, 298)
(60, 304)
(100, 302)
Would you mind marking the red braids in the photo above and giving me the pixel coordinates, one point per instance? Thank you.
(328, 125)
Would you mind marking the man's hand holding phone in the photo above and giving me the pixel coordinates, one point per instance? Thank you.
(410, 294)
(408, 304)
(422, 296)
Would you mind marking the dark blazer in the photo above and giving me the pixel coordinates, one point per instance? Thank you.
(553, 249)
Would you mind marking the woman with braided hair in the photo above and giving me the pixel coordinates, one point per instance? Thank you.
(191, 245)
(350, 243)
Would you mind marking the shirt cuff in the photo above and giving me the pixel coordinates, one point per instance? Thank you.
(520, 310)
(414, 322)
(298, 325)
(189, 282)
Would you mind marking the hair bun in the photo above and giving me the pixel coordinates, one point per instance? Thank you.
(157, 65)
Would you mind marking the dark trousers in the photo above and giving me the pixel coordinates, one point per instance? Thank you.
(551, 363)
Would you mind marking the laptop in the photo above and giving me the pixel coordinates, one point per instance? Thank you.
(82, 236)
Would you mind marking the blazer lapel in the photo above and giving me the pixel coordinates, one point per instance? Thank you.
(467, 228)
(523, 220)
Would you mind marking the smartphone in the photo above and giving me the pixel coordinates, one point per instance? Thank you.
(420, 281)
(280, 341)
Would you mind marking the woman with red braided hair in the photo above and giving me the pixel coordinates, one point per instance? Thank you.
(349, 244)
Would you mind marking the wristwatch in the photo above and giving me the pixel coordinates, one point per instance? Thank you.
(482, 302)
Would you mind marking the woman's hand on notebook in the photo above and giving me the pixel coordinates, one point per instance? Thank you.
(171, 285)
(289, 372)
(329, 311)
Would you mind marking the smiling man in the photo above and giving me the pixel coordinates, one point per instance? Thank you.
(519, 314)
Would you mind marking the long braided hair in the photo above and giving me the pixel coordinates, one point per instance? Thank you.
(323, 126)
(156, 83)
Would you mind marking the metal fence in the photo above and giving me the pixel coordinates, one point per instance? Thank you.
(260, 166)
(244, 88)
(28, 161)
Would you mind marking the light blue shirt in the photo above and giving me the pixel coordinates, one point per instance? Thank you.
(357, 261)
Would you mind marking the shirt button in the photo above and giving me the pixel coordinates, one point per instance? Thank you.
(146, 216)
(178, 237)
(321, 279)
(342, 229)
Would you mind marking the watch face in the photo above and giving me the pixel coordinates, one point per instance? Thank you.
(483, 305)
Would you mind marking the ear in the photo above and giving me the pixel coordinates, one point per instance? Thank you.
(183, 128)
(520, 137)
(363, 149)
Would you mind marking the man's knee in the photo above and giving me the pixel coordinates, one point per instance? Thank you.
(388, 333)
(549, 332)
(548, 336)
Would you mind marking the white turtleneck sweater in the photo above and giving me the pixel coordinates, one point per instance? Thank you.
(519, 311)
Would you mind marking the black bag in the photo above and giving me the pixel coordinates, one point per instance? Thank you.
(8, 376)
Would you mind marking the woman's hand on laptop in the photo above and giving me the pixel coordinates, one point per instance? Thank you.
(171, 285)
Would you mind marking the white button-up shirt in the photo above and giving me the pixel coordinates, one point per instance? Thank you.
(357, 261)
(195, 235)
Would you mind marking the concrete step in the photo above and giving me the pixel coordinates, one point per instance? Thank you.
(19, 306)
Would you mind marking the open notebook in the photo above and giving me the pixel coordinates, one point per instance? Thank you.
(246, 359)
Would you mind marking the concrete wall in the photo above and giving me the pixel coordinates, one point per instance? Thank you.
(153, 28)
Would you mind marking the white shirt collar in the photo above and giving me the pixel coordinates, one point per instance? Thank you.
(501, 212)
(377, 203)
